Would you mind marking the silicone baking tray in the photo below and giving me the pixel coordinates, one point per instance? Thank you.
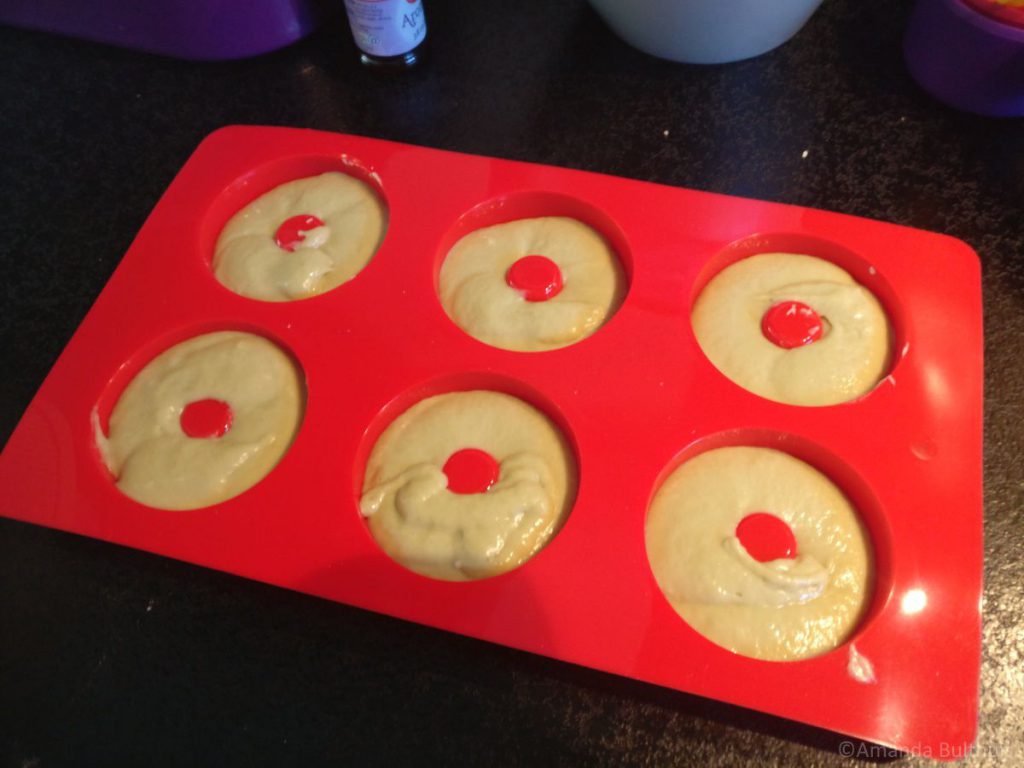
(634, 399)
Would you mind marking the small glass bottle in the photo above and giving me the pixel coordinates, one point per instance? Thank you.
(389, 33)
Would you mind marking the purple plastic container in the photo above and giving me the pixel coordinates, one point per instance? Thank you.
(186, 29)
(966, 59)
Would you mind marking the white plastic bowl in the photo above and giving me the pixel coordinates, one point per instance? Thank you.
(705, 31)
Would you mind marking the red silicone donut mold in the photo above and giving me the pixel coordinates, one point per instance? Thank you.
(257, 181)
(633, 400)
(859, 267)
(134, 363)
(464, 381)
(839, 472)
(530, 205)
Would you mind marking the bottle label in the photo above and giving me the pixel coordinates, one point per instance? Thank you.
(386, 27)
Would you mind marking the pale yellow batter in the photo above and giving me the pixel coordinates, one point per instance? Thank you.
(780, 610)
(153, 459)
(248, 260)
(433, 531)
(849, 359)
(476, 296)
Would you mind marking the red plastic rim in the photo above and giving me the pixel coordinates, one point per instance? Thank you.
(1007, 11)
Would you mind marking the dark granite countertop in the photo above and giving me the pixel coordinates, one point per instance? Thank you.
(113, 657)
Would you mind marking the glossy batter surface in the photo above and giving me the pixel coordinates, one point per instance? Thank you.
(429, 529)
(156, 463)
(847, 362)
(249, 261)
(476, 295)
(780, 610)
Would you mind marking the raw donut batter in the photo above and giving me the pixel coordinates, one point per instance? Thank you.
(476, 294)
(344, 225)
(779, 610)
(848, 359)
(420, 522)
(155, 460)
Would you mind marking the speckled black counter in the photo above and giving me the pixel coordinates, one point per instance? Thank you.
(112, 657)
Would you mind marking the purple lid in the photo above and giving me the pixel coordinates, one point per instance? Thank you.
(187, 29)
(966, 59)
